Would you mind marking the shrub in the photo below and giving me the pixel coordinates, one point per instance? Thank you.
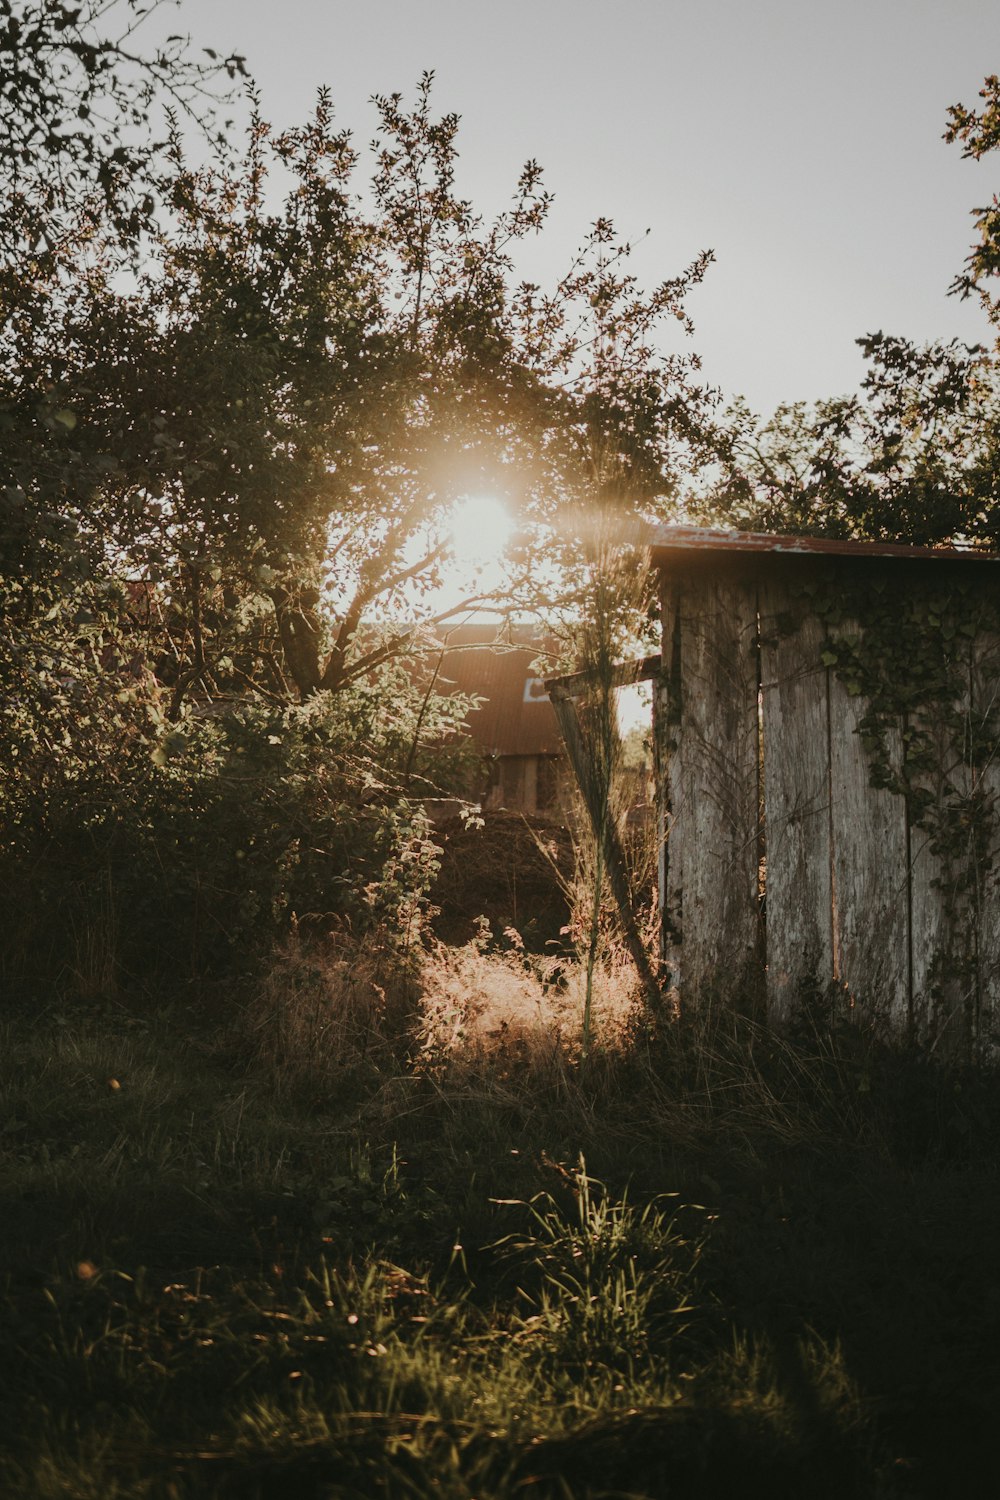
(131, 846)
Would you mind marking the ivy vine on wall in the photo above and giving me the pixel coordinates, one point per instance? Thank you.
(923, 658)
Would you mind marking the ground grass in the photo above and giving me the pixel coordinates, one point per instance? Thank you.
(352, 1231)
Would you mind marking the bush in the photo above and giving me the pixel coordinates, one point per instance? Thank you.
(133, 847)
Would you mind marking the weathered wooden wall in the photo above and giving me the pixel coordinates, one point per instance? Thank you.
(984, 696)
(795, 692)
(711, 774)
(779, 854)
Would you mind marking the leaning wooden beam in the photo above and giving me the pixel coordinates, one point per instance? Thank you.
(624, 674)
(562, 693)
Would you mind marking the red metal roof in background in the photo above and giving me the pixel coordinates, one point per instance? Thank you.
(516, 717)
(670, 539)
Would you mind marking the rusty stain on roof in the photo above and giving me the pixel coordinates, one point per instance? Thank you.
(516, 717)
(666, 540)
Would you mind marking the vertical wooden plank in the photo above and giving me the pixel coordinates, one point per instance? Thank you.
(870, 896)
(985, 711)
(712, 907)
(794, 701)
(666, 736)
(942, 900)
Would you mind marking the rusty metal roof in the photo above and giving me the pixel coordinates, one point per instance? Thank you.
(516, 717)
(665, 540)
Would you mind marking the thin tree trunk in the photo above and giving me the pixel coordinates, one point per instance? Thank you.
(608, 842)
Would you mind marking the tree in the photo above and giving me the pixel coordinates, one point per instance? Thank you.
(915, 456)
(978, 130)
(912, 458)
(83, 112)
(227, 477)
(85, 109)
(271, 426)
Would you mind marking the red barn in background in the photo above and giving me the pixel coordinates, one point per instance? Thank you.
(515, 726)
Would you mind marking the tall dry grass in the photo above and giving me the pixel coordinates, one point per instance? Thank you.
(337, 1004)
(530, 1013)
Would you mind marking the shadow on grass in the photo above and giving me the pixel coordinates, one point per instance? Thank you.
(221, 1277)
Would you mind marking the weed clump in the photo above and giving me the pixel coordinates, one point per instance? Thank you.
(604, 1282)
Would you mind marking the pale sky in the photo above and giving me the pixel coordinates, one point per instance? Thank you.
(798, 139)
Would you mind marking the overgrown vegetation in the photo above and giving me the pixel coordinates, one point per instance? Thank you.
(298, 1200)
(234, 419)
(373, 1233)
(193, 851)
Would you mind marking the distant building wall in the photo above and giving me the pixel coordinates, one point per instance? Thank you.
(524, 765)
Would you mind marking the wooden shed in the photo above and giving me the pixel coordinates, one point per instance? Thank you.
(828, 733)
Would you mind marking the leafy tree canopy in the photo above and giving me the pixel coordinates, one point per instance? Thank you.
(269, 424)
(84, 104)
(238, 396)
(915, 456)
(912, 458)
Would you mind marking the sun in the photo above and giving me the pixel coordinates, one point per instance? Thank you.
(480, 528)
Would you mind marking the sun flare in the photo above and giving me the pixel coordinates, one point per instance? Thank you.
(481, 527)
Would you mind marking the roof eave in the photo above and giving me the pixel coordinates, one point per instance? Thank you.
(666, 541)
